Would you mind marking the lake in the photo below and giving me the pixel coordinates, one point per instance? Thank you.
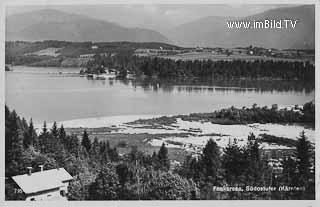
(57, 94)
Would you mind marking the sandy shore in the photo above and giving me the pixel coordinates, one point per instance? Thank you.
(223, 134)
(97, 122)
(195, 141)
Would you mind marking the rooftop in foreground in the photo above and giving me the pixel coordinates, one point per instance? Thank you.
(42, 180)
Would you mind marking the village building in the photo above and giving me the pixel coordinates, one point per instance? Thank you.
(44, 185)
(94, 47)
(87, 55)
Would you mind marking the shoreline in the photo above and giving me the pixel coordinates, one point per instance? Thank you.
(143, 77)
(98, 122)
(124, 124)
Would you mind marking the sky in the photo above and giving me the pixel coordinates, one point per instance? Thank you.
(159, 17)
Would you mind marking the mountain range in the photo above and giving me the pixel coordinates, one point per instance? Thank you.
(51, 24)
(210, 31)
(213, 31)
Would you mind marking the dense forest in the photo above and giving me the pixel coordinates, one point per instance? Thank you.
(101, 173)
(256, 114)
(166, 68)
(304, 115)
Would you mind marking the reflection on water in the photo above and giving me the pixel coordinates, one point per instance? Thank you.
(200, 85)
(60, 94)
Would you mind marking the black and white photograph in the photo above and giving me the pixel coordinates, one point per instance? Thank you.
(159, 101)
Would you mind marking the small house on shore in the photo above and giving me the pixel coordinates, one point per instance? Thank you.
(44, 185)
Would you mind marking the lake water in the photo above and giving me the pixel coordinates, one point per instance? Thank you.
(57, 94)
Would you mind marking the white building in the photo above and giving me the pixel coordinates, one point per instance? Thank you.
(87, 55)
(44, 185)
(94, 47)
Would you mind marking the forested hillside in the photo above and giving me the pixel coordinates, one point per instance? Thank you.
(100, 173)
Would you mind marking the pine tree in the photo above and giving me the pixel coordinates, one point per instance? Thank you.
(95, 149)
(304, 156)
(23, 125)
(62, 133)
(42, 136)
(30, 137)
(234, 163)
(256, 166)
(44, 128)
(107, 145)
(211, 160)
(33, 134)
(54, 130)
(86, 143)
(104, 153)
(14, 145)
(102, 146)
(163, 158)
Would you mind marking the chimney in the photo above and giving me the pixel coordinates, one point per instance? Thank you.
(41, 168)
(29, 170)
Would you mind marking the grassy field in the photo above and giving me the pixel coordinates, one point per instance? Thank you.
(50, 51)
(125, 142)
(217, 57)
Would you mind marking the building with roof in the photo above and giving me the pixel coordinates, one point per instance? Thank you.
(94, 47)
(44, 185)
(87, 55)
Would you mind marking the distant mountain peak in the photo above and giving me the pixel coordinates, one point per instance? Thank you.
(213, 31)
(51, 24)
